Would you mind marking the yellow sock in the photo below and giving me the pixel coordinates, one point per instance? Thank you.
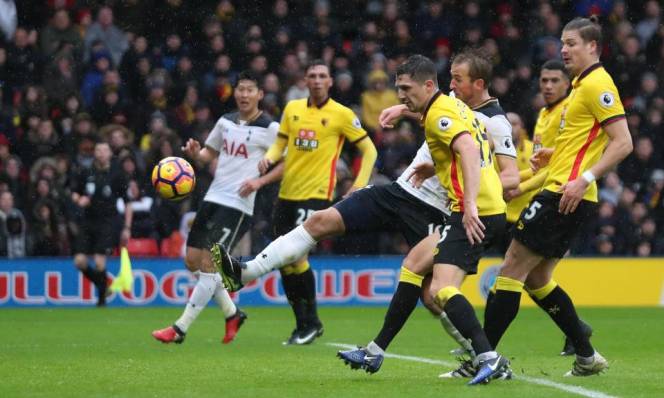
(409, 276)
(288, 269)
(544, 290)
(509, 284)
(301, 267)
(445, 294)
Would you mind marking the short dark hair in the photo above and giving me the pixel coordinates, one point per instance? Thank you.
(588, 28)
(251, 76)
(479, 64)
(554, 64)
(317, 62)
(420, 69)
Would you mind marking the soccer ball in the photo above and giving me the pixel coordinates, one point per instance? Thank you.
(173, 178)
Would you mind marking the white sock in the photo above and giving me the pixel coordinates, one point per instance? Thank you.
(201, 295)
(285, 250)
(451, 330)
(224, 301)
(374, 349)
(485, 356)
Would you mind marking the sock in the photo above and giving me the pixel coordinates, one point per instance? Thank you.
(561, 309)
(453, 332)
(374, 349)
(284, 250)
(401, 306)
(306, 282)
(224, 301)
(489, 298)
(201, 295)
(502, 309)
(462, 315)
(295, 299)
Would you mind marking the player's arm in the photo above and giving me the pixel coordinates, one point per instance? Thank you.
(192, 149)
(528, 184)
(500, 132)
(509, 172)
(620, 145)
(274, 153)
(369, 155)
(254, 184)
(128, 220)
(469, 156)
(389, 115)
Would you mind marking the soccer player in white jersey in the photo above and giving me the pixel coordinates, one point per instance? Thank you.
(239, 140)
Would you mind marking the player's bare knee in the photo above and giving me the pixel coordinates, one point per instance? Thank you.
(80, 261)
(429, 303)
(324, 223)
(192, 261)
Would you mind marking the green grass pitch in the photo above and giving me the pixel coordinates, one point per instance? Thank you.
(109, 352)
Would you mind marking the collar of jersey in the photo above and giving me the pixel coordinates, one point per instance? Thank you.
(431, 101)
(319, 106)
(485, 103)
(586, 73)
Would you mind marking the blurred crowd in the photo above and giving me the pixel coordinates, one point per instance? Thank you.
(146, 75)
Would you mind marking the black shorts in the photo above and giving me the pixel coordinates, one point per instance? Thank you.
(503, 244)
(376, 208)
(547, 232)
(288, 214)
(96, 237)
(215, 223)
(454, 247)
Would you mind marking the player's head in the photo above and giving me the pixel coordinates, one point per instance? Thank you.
(553, 81)
(103, 153)
(248, 92)
(471, 73)
(417, 82)
(318, 78)
(582, 43)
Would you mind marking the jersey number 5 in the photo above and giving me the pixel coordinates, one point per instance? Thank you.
(532, 210)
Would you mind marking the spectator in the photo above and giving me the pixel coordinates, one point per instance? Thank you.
(376, 98)
(14, 228)
(61, 36)
(104, 31)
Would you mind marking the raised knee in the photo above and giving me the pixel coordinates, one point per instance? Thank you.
(322, 223)
(191, 263)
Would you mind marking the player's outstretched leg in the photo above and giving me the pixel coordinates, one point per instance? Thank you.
(229, 268)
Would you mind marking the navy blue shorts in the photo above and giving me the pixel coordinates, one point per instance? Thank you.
(377, 208)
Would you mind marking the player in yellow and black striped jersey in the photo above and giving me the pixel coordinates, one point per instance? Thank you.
(593, 138)
(311, 136)
(463, 163)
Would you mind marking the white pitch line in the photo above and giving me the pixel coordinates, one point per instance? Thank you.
(584, 392)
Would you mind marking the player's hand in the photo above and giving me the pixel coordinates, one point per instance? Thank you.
(389, 115)
(540, 158)
(249, 186)
(264, 165)
(511, 194)
(472, 224)
(125, 236)
(191, 149)
(421, 172)
(83, 201)
(573, 192)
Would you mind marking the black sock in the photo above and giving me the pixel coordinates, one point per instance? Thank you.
(489, 298)
(307, 284)
(462, 315)
(90, 274)
(100, 278)
(561, 309)
(499, 314)
(293, 294)
(402, 305)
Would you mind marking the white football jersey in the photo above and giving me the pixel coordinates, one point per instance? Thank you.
(491, 114)
(241, 146)
(431, 192)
